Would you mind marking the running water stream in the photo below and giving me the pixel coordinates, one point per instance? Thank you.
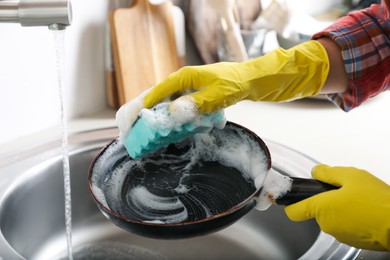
(59, 36)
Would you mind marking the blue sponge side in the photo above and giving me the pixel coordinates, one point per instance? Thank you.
(145, 137)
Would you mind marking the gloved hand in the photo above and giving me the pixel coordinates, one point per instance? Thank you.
(280, 75)
(357, 214)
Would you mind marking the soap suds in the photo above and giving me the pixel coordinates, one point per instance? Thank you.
(183, 110)
(231, 147)
(162, 117)
(274, 186)
(127, 114)
(158, 127)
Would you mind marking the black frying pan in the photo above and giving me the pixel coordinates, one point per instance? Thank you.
(191, 188)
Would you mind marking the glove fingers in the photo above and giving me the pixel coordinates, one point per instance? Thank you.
(310, 207)
(339, 176)
(299, 211)
(216, 97)
(336, 176)
(207, 100)
(177, 82)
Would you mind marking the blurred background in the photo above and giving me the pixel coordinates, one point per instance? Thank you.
(28, 79)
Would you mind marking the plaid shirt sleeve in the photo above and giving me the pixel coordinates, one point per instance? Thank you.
(364, 38)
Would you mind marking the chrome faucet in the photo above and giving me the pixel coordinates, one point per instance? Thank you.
(56, 14)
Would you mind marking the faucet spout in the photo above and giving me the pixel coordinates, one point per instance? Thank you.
(56, 14)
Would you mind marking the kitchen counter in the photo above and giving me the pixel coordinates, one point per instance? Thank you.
(314, 127)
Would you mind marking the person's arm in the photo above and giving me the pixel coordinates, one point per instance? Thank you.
(337, 81)
(363, 40)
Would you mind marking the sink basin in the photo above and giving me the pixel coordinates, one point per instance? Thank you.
(32, 222)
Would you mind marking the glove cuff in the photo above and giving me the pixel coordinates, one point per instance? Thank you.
(284, 75)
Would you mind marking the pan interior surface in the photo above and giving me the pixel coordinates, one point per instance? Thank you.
(187, 182)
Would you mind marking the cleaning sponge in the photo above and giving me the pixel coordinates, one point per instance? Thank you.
(156, 128)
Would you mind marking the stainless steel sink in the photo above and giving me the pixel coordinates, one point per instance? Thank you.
(32, 224)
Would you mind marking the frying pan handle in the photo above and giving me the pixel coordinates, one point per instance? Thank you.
(302, 189)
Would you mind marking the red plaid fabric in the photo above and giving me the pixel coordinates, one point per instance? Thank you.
(364, 38)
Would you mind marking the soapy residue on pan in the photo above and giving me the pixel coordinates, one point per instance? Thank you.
(150, 205)
(207, 177)
(275, 186)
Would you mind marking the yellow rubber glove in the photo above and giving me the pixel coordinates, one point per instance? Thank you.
(277, 76)
(357, 214)
(280, 75)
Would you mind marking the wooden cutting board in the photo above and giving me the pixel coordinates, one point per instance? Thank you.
(143, 45)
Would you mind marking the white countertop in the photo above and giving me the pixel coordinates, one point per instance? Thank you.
(359, 138)
(317, 128)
